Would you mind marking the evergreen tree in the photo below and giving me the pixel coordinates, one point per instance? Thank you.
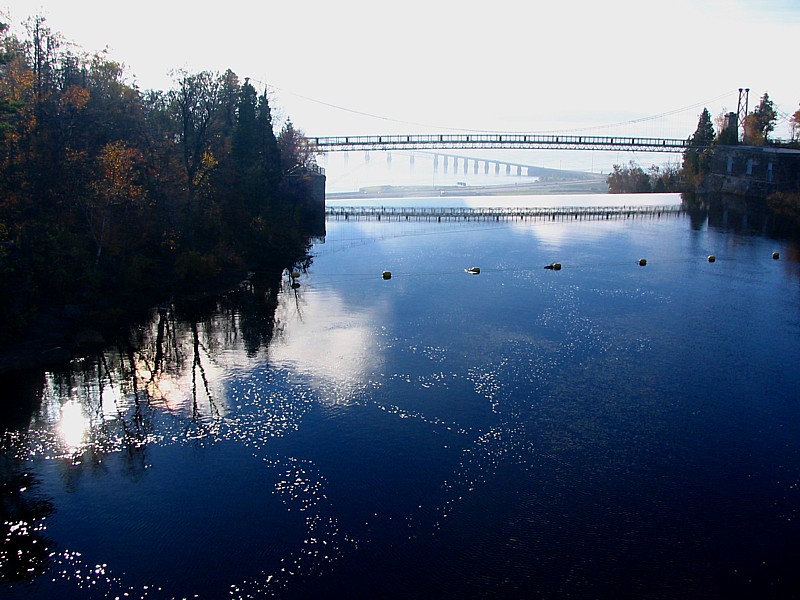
(248, 179)
(697, 157)
(229, 99)
(245, 141)
(255, 155)
(703, 136)
(270, 153)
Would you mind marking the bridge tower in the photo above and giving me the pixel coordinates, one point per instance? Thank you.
(741, 109)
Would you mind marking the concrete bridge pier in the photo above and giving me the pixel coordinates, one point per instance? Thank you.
(468, 165)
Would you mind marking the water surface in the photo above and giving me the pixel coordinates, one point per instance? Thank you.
(607, 430)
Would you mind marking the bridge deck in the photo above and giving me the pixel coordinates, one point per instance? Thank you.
(389, 213)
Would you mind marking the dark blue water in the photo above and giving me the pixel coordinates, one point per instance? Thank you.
(604, 431)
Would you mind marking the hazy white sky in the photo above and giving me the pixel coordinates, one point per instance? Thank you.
(487, 65)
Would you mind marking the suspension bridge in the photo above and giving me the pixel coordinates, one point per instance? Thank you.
(435, 144)
(496, 141)
(537, 141)
(459, 151)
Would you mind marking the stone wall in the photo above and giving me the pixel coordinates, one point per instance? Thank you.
(752, 171)
(307, 187)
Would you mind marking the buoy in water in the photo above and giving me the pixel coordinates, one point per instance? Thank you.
(387, 274)
(553, 266)
(776, 255)
(473, 270)
(712, 258)
(642, 262)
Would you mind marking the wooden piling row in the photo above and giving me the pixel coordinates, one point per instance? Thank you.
(590, 213)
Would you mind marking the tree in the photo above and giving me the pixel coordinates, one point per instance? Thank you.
(245, 146)
(114, 107)
(628, 180)
(760, 123)
(703, 137)
(116, 187)
(44, 145)
(247, 182)
(7, 108)
(42, 49)
(698, 154)
(230, 89)
(294, 149)
(666, 178)
(795, 124)
(196, 106)
(255, 159)
(270, 152)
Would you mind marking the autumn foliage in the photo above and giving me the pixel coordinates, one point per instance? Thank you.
(111, 196)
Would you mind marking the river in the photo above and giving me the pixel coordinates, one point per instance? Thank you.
(617, 428)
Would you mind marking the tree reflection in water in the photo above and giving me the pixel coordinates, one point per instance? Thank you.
(160, 384)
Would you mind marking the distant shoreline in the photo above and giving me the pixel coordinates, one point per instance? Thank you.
(592, 186)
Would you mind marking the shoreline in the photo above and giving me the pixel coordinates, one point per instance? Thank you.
(584, 186)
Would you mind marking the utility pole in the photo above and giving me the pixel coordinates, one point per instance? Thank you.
(741, 109)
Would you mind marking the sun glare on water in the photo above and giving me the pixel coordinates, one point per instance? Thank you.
(73, 426)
